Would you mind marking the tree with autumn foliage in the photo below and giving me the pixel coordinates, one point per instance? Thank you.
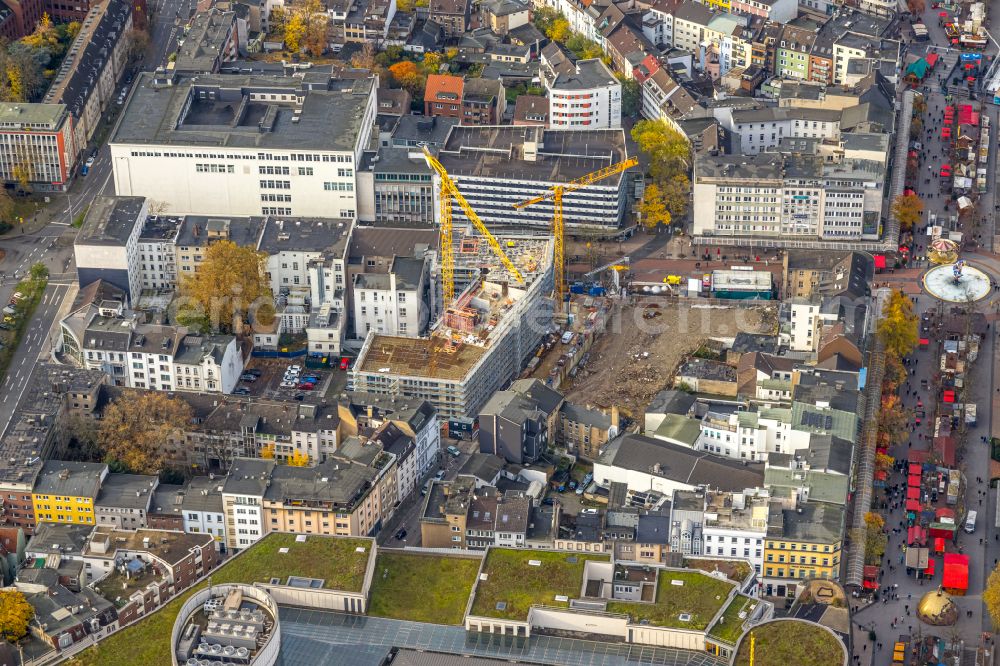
(908, 209)
(298, 459)
(15, 614)
(136, 427)
(894, 419)
(897, 329)
(884, 461)
(669, 151)
(408, 76)
(991, 597)
(875, 538)
(653, 211)
(228, 287)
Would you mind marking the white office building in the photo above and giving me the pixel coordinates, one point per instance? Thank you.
(241, 145)
(392, 303)
(586, 97)
(107, 247)
(242, 499)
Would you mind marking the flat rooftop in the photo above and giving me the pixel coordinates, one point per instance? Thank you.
(420, 357)
(340, 562)
(303, 234)
(328, 120)
(684, 600)
(110, 220)
(562, 155)
(518, 579)
(169, 545)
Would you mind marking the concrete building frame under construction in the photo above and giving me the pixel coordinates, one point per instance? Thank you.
(480, 343)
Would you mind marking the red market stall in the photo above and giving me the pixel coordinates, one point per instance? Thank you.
(938, 545)
(943, 530)
(948, 396)
(924, 343)
(913, 493)
(913, 481)
(946, 132)
(955, 577)
(879, 262)
(929, 571)
(945, 171)
(915, 468)
(945, 515)
(916, 535)
(870, 581)
(912, 505)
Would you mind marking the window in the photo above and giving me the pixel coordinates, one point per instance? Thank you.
(304, 171)
(344, 173)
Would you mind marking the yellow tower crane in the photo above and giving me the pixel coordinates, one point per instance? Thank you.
(449, 191)
(557, 215)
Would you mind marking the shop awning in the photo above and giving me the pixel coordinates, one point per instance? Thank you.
(913, 493)
(924, 341)
(912, 505)
(948, 396)
(956, 572)
(931, 59)
(939, 545)
(913, 481)
(945, 512)
(929, 571)
(880, 261)
(915, 535)
(915, 468)
(870, 584)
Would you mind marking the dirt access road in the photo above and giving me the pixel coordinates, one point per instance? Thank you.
(636, 357)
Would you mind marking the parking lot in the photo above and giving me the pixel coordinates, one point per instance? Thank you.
(274, 382)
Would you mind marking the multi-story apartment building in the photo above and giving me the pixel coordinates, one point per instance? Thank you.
(240, 145)
(585, 430)
(50, 393)
(204, 509)
(763, 129)
(124, 500)
(458, 514)
(107, 247)
(37, 145)
(792, 53)
(212, 39)
(587, 97)
(344, 497)
(242, 498)
(158, 253)
(87, 80)
(65, 492)
(735, 526)
(471, 101)
(164, 358)
(802, 543)
(496, 167)
(393, 303)
(453, 15)
(458, 373)
(366, 413)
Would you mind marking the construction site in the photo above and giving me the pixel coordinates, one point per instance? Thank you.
(481, 340)
(636, 351)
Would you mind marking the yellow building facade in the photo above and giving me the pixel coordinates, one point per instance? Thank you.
(65, 492)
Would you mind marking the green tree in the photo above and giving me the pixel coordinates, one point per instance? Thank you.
(676, 191)
(652, 209)
(135, 428)
(544, 17)
(897, 328)
(631, 95)
(15, 615)
(908, 210)
(668, 150)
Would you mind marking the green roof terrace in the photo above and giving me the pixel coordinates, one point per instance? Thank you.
(684, 600)
(516, 580)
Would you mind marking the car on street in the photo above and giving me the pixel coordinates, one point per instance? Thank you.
(439, 476)
(401, 534)
(453, 451)
(242, 390)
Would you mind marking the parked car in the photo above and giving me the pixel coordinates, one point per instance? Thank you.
(345, 363)
(4, 327)
(9, 309)
(17, 295)
(312, 379)
(453, 451)
(401, 534)
(248, 378)
(439, 476)
(548, 501)
(287, 384)
(295, 368)
(243, 390)
(255, 372)
(8, 320)
(306, 386)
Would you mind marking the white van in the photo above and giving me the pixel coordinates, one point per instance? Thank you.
(970, 522)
